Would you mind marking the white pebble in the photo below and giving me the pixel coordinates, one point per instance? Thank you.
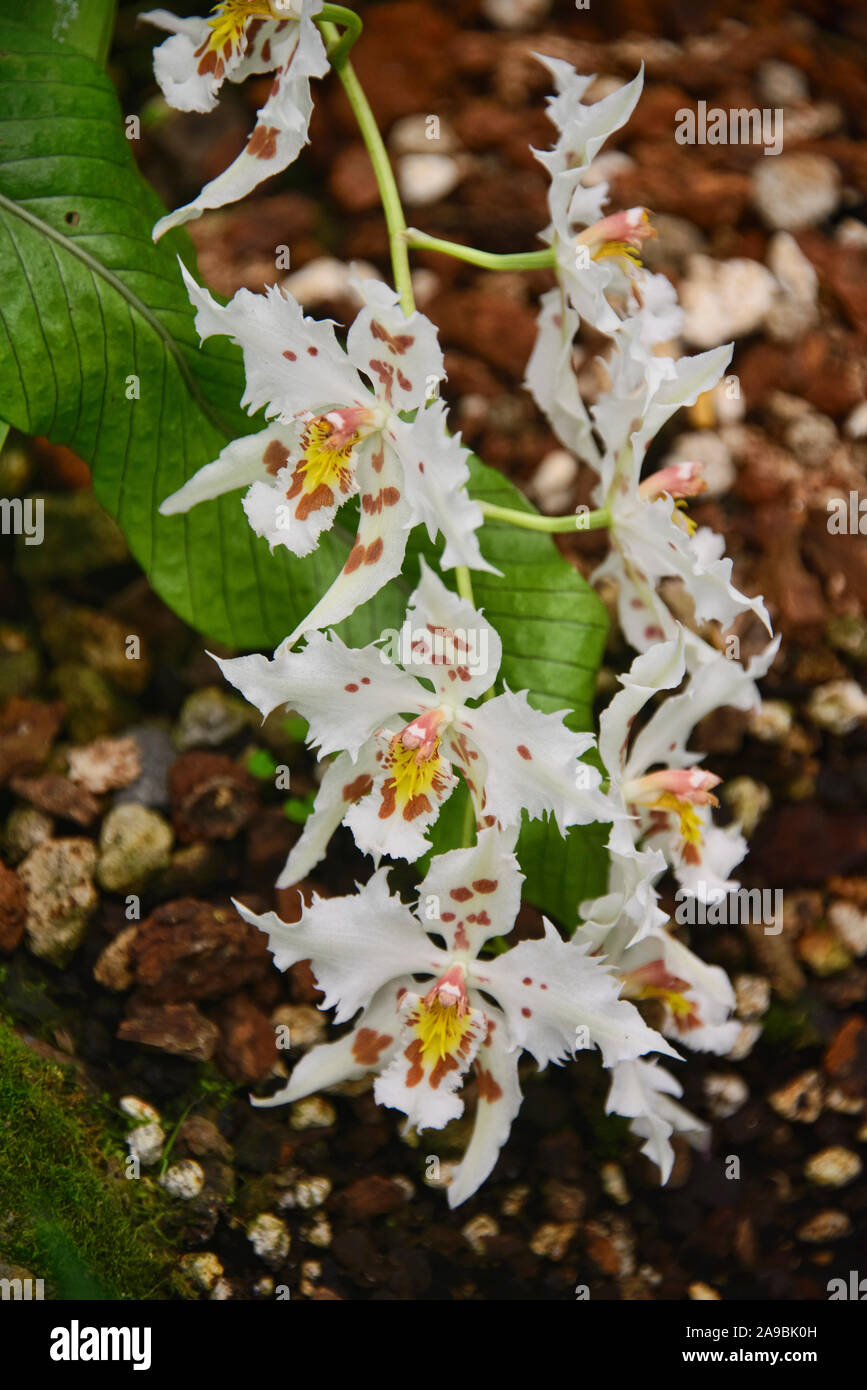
(183, 1180)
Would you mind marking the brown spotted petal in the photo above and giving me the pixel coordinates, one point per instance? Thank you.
(190, 72)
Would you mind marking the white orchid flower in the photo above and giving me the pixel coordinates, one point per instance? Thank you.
(404, 726)
(243, 38)
(589, 262)
(552, 998)
(650, 538)
(654, 779)
(642, 1091)
(701, 854)
(698, 999)
(336, 437)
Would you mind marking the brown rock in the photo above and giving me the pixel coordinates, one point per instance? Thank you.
(406, 60)
(845, 1059)
(176, 1028)
(353, 181)
(114, 968)
(498, 330)
(13, 909)
(373, 1196)
(27, 731)
(248, 1043)
(667, 179)
(802, 843)
(212, 797)
(194, 950)
(58, 796)
(199, 1138)
(105, 764)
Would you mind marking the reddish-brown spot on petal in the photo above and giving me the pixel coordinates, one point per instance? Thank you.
(389, 800)
(526, 1012)
(398, 343)
(292, 356)
(368, 1046)
(526, 980)
(208, 63)
(460, 895)
(442, 1068)
(275, 457)
(374, 550)
(313, 352)
(263, 142)
(351, 688)
(266, 51)
(462, 941)
(356, 558)
(413, 1056)
(416, 806)
(485, 885)
(354, 791)
(390, 496)
(524, 751)
(489, 1089)
(321, 496)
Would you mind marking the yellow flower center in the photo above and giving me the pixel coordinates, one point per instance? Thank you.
(690, 822)
(680, 517)
(230, 17)
(325, 466)
(616, 250)
(679, 1005)
(440, 1028)
(413, 777)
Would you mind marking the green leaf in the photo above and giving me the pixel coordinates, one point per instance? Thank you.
(553, 628)
(98, 351)
(86, 28)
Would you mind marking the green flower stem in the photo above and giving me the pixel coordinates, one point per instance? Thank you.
(465, 583)
(389, 196)
(488, 260)
(534, 521)
(350, 22)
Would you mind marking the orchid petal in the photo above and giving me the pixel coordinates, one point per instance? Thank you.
(436, 473)
(399, 353)
(280, 133)
(555, 994)
(533, 764)
(452, 645)
(379, 547)
(499, 1100)
(478, 892)
(356, 943)
(343, 692)
(254, 458)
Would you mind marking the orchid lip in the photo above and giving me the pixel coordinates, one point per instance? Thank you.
(424, 732)
(678, 480)
(691, 785)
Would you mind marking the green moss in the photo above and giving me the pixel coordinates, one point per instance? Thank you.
(63, 1214)
(790, 1025)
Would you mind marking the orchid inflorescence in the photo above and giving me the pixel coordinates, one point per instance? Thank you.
(436, 992)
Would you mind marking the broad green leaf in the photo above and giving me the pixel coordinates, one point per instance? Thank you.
(98, 351)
